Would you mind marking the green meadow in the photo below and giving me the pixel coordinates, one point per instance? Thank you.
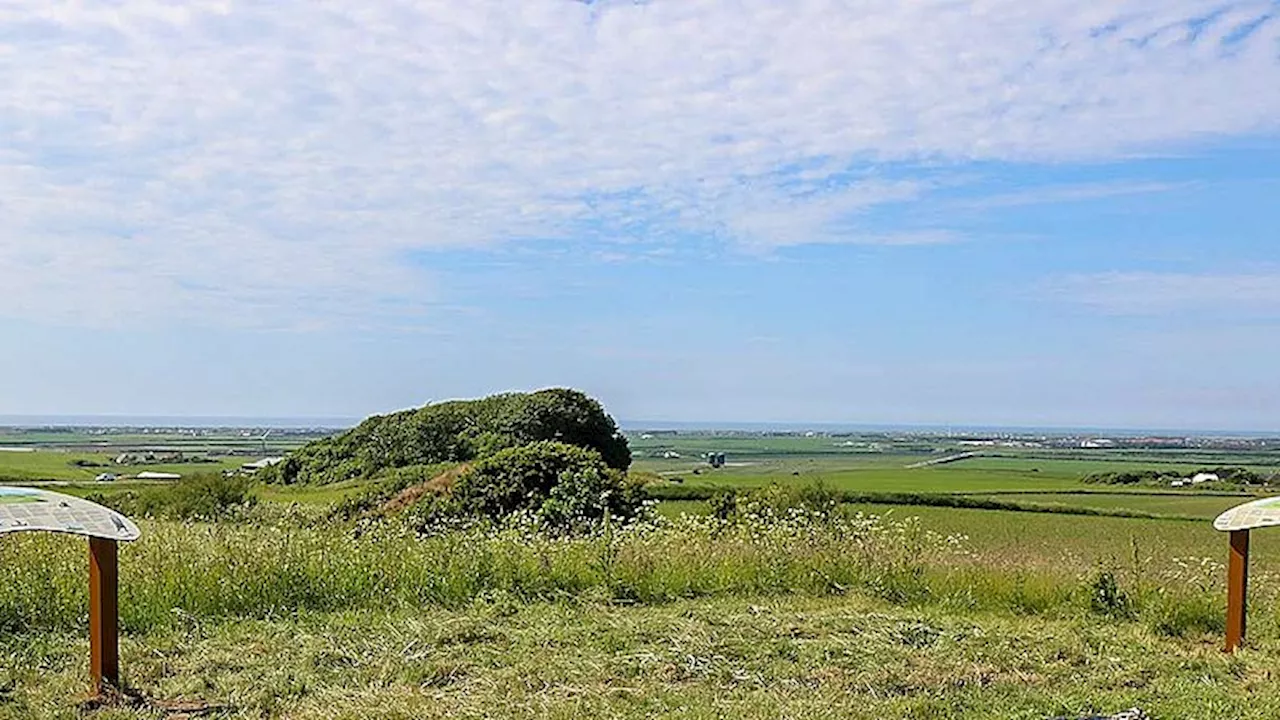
(69, 466)
(897, 605)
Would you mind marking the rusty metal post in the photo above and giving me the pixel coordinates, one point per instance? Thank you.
(1237, 587)
(104, 642)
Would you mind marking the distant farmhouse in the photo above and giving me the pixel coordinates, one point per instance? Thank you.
(1196, 479)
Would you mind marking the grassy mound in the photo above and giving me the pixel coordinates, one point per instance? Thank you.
(457, 431)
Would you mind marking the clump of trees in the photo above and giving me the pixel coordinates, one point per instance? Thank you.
(1231, 475)
(1130, 477)
(455, 432)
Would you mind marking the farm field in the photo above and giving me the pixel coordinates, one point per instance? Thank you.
(1013, 476)
(1188, 504)
(82, 454)
(1066, 542)
(60, 465)
(943, 479)
(1075, 543)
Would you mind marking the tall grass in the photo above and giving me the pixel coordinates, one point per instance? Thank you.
(194, 572)
(180, 571)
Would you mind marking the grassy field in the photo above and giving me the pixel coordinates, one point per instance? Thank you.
(1076, 544)
(62, 465)
(307, 495)
(274, 616)
(52, 454)
(1203, 506)
(887, 611)
(940, 479)
(1040, 479)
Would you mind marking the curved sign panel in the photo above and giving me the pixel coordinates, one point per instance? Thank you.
(1256, 514)
(28, 509)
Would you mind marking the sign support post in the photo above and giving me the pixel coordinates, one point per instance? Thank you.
(104, 628)
(24, 510)
(1237, 588)
(1238, 521)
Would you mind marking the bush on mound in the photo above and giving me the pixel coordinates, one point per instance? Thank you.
(560, 483)
(562, 486)
(457, 431)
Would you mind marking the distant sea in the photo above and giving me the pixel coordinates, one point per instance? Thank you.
(330, 423)
(984, 430)
(174, 421)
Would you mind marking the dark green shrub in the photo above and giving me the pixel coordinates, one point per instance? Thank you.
(198, 497)
(814, 498)
(1107, 599)
(208, 495)
(566, 416)
(583, 496)
(563, 485)
(1126, 477)
(1235, 475)
(724, 504)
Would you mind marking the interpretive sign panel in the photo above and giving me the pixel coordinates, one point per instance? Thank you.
(33, 510)
(30, 509)
(1256, 514)
(1239, 521)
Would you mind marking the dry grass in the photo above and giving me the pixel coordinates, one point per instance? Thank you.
(438, 485)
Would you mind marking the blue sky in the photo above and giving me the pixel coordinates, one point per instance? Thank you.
(985, 212)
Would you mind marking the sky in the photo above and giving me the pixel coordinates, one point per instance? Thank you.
(1000, 212)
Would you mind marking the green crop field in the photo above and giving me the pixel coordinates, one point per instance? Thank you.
(1188, 504)
(1077, 543)
(1043, 477)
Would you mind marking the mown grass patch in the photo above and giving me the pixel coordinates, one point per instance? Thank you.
(841, 657)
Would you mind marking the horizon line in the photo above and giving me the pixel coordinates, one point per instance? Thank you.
(124, 420)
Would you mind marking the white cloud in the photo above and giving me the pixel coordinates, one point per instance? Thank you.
(280, 159)
(763, 219)
(1148, 293)
(1070, 193)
